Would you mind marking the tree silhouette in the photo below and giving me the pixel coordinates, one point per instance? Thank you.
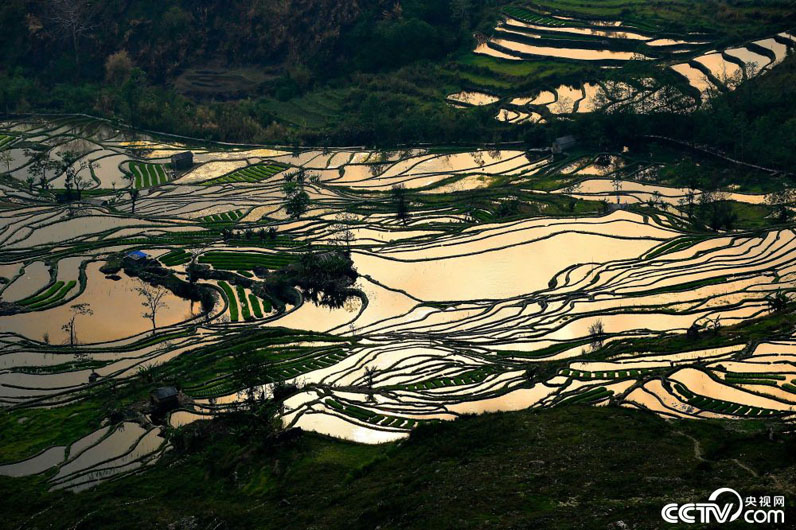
(153, 301)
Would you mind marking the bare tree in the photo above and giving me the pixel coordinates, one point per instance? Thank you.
(344, 235)
(153, 301)
(73, 19)
(6, 158)
(370, 374)
(83, 181)
(616, 183)
(133, 197)
(70, 326)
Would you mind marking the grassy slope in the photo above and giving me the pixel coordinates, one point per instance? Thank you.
(570, 467)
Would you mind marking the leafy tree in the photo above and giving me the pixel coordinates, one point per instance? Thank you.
(297, 201)
(326, 278)
(779, 201)
(132, 92)
(597, 335)
(250, 373)
(118, 68)
(399, 202)
(777, 301)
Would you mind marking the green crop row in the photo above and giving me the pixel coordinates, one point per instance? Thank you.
(255, 305)
(148, 175)
(754, 375)
(467, 378)
(528, 16)
(371, 417)
(302, 366)
(245, 260)
(233, 304)
(248, 174)
(225, 217)
(790, 387)
(616, 374)
(6, 140)
(51, 295)
(720, 406)
(590, 396)
(175, 257)
(244, 302)
(749, 381)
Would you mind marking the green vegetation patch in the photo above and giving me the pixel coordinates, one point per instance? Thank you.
(466, 378)
(244, 302)
(590, 396)
(750, 378)
(223, 218)
(721, 406)
(5, 140)
(533, 18)
(254, 173)
(234, 261)
(527, 463)
(25, 432)
(368, 416)
(255, 305)
(147, 175)
(55, 293)
(615, 374)
(175, 257)
(233, 303)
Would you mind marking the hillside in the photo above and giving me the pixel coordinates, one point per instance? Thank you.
(559, 468)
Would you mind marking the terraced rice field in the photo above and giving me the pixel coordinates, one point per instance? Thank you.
(243, 304)
(223, 218)
(245, 260)
(517, 279)
(529, 34)
(250, 174)
(50, 296)
(148, 175)
(6, 140)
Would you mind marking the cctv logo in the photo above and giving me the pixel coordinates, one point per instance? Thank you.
(712, 511)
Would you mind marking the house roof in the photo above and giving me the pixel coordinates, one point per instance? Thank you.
(564, 141)
(184, 155)
(137, 254)
(164, 392)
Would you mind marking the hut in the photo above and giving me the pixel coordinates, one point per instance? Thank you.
(164, 399)
(563, 143)
(137, 255)
(182, 160)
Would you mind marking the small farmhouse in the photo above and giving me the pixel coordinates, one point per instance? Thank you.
(164, 399)
(563, 143)
(182, 160)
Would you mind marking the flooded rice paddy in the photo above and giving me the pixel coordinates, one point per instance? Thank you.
(699, 70)
(451, 314)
